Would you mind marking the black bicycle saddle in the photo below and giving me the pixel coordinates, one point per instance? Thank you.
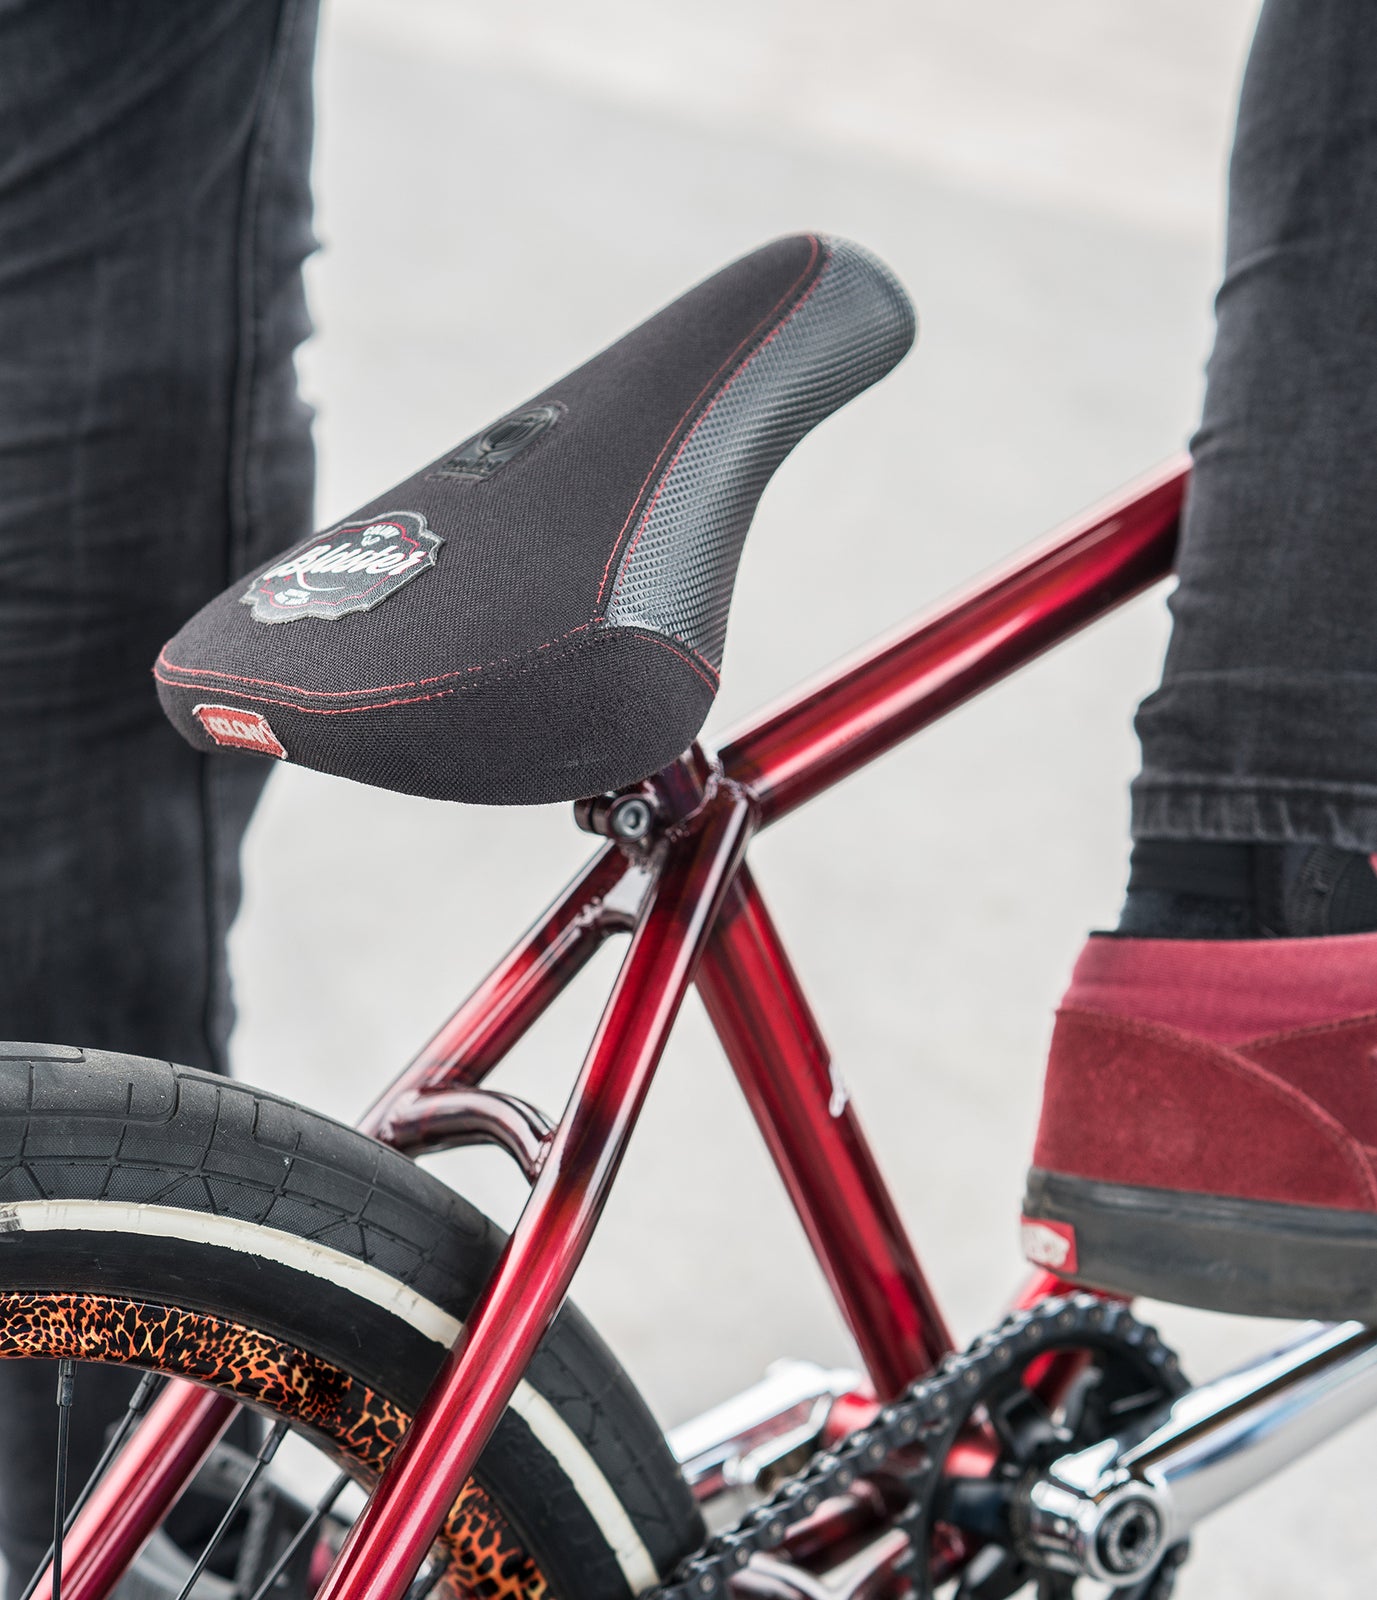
(540, 614)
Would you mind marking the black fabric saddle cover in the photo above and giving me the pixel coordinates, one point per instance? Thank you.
(540, 614)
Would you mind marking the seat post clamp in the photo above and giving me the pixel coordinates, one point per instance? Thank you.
(629, 818)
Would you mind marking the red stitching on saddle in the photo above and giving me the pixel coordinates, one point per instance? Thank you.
(382, 688)
(405, 700)
(692, 660)
(707, 412)
(321, 711)
(697, 661)
(726, 362)
(317, 711)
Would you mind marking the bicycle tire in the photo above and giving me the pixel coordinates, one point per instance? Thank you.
(160, 1217)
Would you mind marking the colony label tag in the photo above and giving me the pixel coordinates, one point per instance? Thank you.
(353, 567)
(240, 729)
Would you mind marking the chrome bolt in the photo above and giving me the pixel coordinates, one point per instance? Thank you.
(631, 818)
(1129, 1537)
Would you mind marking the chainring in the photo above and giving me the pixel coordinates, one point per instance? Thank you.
(1126, 1375)
(1123, 1376)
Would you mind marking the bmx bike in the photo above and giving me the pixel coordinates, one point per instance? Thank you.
(194, 1229)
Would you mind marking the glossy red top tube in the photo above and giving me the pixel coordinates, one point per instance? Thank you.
(866, 706)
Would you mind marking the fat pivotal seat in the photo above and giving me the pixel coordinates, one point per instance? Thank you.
(540, 614)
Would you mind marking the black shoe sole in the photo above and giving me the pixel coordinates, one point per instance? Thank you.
(1251, 1257)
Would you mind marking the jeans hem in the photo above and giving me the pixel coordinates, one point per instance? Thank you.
(1255, 813)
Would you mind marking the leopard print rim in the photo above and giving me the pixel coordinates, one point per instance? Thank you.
(352, 1420)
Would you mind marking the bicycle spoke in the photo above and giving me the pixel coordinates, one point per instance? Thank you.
(266, 1451)
(148, 1388)
(322, 1510)
(66, 1383)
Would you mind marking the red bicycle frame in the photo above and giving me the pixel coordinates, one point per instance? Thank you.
(682, 890)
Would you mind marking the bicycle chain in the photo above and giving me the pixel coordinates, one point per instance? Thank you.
(929, 1414)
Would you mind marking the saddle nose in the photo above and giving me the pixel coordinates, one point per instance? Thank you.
(541, 614)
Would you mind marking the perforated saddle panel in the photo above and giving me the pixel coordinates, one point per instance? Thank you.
(541, 613)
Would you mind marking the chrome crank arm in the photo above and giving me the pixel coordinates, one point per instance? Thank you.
(1110, 1511)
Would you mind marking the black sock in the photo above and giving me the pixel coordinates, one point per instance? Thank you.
(1197, 889)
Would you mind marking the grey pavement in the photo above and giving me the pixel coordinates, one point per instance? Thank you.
(504, 189)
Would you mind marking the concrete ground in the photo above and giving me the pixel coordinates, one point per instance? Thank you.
(505, 189)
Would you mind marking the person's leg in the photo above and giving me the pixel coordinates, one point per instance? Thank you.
(1264, 730)
(1265, 724)
(154, 215)
(1209, 1126)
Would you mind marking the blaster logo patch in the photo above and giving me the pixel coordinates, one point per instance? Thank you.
(353, 567)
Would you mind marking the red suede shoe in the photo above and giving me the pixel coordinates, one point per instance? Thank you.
(1209, 1126)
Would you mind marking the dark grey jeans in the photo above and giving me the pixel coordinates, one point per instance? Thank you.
(154, 213)
(1265, 726)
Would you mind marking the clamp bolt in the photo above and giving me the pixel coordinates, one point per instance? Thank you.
(631, 818)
